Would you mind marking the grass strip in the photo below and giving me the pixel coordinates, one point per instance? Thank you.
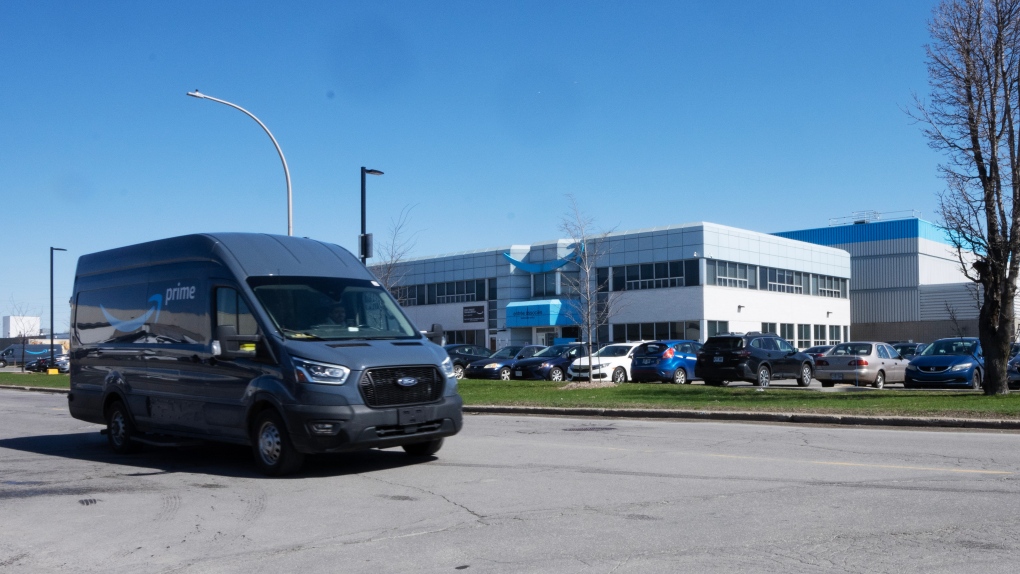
(36, 380)
(888, 402)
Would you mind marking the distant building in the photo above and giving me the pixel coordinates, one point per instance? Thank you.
(682, 281)
(907, 284)
(20, 326)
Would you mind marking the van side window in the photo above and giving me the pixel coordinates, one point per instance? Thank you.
(232, 310)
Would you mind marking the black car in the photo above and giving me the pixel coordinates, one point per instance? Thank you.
(463, 355)
(754, 357)
(818, 350)
(550, 363)
(908, 350)
(501, 364)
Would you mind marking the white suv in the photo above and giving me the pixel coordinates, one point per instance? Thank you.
(612, 361)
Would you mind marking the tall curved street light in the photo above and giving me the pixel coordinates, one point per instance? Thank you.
(286, 172)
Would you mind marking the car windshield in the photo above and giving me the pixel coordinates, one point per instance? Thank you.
(950, 347)
(851, 349)
(331, 308)
(614, 351)
(506, 353)
(554, 351)
(654, 349)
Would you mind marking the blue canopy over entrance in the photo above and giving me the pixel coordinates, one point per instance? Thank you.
(547, 313)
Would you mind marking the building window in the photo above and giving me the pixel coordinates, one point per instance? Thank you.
(717, 327)
(803, 336)
(468, 337)
(786, 331)
(769, 328)
(834, 334)
(730, 274)
(846, 332)
(544, 284)
(644, 276)
(820, 335)
(656, 331)
(785, 281)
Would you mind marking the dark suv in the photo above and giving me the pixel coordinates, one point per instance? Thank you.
(753, 357)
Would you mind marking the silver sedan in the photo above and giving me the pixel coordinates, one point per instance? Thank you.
(861, 363)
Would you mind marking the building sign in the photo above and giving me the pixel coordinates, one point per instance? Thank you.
(549, 313)
(474, 314)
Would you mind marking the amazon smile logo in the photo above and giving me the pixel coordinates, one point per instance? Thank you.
(548, 266)
(135, 324)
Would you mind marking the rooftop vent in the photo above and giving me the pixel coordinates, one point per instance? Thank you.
(869, 216)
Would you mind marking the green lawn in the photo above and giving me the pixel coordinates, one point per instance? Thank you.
(889, 402)
(35, 380)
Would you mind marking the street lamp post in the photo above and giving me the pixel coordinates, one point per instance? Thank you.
(52, 249)
(364, 241)
(286, 172)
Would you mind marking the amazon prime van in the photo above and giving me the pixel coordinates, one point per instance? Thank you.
(15, 355)
(285, 344)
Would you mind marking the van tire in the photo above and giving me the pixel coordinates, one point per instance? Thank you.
(120, 429)
(427, 448)
(274, 452)
(3, 363)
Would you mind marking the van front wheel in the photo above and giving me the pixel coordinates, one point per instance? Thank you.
(275, 454)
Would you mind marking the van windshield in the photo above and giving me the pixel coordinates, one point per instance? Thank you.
(331, 308)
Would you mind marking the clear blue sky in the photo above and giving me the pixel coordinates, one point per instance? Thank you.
(766, 115)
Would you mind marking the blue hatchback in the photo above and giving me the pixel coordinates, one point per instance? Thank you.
(947, 362)
(666, 361)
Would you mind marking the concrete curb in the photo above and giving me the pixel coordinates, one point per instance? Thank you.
(791, 418)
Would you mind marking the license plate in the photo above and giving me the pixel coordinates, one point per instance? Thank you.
(717, 360)
(647, 361)
(837, 376)
(518, 374)
(410, 416)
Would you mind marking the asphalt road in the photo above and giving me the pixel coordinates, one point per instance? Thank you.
(517, 494)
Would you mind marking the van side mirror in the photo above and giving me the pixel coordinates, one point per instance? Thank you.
(229, 345)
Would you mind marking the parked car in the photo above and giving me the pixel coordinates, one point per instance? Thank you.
(500, 365)
(817, 350)
(550, 363)
(610, 362)
(463, 355)
(957, 361)
(37, 365)
(62, 363)
(753, 357)
(666, 361)
(907, 350)
(861, 363)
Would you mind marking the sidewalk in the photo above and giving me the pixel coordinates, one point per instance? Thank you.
(788, 418)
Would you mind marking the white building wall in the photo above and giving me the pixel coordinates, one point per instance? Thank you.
(747, 309)
(19, 325)
(658, 305)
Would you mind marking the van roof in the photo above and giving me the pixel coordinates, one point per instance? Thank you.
(247, 254)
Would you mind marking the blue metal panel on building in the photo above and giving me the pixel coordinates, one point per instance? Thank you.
(548, 313)
(865, 232)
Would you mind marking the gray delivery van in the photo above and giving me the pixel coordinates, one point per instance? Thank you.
(285, 344)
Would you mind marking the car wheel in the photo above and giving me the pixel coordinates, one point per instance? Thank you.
(975, 381)
(427, 448)
(458, 371)
(504, 373)
(619, 375)
(879, 380)
(120, 431)
(805, 375)
(764, 377)
(556, 374)
(275, 454)
(680, 376)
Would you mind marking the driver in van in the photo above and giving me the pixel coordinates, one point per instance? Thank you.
(338, 315)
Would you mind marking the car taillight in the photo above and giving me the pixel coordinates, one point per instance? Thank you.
(668, 353)
(822, 363)
(744, 353)
(859, 363)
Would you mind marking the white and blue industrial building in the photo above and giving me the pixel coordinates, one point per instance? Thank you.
(680, 281)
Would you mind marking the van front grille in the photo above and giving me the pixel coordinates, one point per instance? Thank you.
(379, 387)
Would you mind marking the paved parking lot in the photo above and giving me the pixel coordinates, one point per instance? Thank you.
(516, 494)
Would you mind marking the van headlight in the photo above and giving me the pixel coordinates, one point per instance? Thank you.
(962, 367)
(447, 366)
(306, 371)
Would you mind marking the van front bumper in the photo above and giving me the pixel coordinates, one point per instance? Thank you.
(326, 429)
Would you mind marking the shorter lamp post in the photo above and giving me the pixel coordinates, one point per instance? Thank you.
(52, 249)
(365, 240)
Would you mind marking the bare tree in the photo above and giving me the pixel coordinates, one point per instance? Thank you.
(400, 241)
(957, 327)
(589, 298)
(973, 115)
(21, 327)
